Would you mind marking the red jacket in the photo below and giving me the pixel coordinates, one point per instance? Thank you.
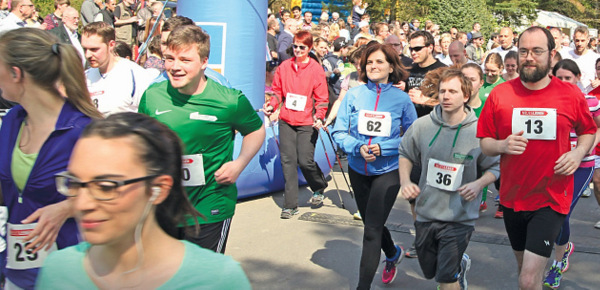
(307, 80)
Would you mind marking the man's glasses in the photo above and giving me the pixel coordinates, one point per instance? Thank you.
(300, 47)
(536, 51)
(417, 48)
(99, 189)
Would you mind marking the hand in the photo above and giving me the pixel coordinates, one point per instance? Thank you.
(410, 190)
(364, 152)
(318, 124)
(375, 149)
(416, 96)
(50, 219)
(567, 163)
(595, 83)
(268, 109)
(336, 71)
(228, 173)
(401, 85)
(366, 5)
(470, 191)
(328, 122)
(515, 144)
(133, 19)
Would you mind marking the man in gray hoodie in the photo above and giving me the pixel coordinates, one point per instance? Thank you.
(454, 173)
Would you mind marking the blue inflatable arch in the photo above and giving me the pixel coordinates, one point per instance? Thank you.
(238, 34)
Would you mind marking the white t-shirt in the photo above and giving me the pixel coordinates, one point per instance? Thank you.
(503, 52)
(119, 90)
(587, 66)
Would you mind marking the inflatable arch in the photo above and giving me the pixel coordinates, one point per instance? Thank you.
(238, 32)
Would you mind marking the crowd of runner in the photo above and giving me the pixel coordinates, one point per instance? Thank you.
(435, 117)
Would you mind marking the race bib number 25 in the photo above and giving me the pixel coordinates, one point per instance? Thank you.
(19, 258)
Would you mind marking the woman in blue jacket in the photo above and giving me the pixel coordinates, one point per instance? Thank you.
(37, 138)
(369, 124)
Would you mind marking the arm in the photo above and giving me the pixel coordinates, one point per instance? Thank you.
(471, 190)
(408, 189)
(50, 219)
(87, 12)
(334, 108)
(230, 171)
(390, 146)
(514, 144)
(119, 22)
(321, 96)
(340, 134)
(569, 162)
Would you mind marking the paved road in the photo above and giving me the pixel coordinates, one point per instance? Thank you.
(320, 248)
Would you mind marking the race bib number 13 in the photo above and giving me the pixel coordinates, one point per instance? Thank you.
(193, 170)
(19, 258)
(536, 123)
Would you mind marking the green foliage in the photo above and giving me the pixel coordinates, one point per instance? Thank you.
(513, 12)
(461, 14)
(46, 7)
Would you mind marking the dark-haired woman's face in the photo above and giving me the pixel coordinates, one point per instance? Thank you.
(566, 75)
(112, 221)
(378, 69)
(510, 65)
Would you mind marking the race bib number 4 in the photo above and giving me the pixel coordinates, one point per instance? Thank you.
(444, 175)
(193, 170)
(19, 258)
(295, 102)
(372, 123)
(536, 123)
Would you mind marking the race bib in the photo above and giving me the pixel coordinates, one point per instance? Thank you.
(295, 102)
(444, 175)
(372, 123)
(573, 145)
(17, 257)
(193, 170)
(536, 123)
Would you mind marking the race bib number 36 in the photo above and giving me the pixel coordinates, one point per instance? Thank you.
(193, 170)
(536, 123)
(372, 123)
(19, 258)
(295, 102)
(444, 175)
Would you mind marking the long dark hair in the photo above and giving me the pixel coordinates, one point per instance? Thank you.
(160, 150)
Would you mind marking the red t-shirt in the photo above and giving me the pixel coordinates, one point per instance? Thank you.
(528, 180)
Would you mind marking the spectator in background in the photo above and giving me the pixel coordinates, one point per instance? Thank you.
(364, 31)
(107, 14)
(297, 13)
(285, 39)
(154, 60)
(335, 17)
(476, 28)
(53, 19)
(358, 10)
(272, 31)
(307, 23)
(89, 10)
(126, 22)
(123, 50)
(382, 31)
(462, 37)
(475, 49)
(345, 33)
(324, 18)
(285, 15)
(20, 10)
(67, 31)
(3, 9)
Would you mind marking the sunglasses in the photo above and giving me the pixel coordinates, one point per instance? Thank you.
(300, 47)
(417, 48)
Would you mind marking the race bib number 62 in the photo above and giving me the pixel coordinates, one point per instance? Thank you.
(536, 123)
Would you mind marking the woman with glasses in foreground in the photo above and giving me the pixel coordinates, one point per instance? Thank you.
(128, 200)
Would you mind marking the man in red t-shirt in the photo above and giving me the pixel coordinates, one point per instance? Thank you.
(527, 122)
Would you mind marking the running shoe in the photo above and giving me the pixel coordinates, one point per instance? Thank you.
(499, 214)
(483, 206)
(597, 225)
(317, 198)
(565, 259)
(465, 265)
(287, 213)
(412, 252)
(587, 192)
(389, 270)
(357, 216)
(553, 277)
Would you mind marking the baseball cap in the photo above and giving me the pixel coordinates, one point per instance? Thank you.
(340, 43)
(476, 35)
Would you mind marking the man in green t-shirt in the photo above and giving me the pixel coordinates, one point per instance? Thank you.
(206, 116)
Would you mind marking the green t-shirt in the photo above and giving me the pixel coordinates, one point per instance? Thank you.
(200, 269)
(206, 123)
(22, 163)
(486, 89)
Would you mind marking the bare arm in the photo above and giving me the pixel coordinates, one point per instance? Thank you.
(230, 171)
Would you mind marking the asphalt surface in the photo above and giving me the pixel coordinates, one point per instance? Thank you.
(320, 247)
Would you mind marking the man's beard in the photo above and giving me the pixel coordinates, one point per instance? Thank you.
(536, 75)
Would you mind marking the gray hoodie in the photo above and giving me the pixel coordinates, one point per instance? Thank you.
(431, 143)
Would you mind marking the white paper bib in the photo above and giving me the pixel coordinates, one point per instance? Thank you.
(193, 170)
(295, 102)
(17, 257)
(536, 123)
(444, 175)
(372, 123)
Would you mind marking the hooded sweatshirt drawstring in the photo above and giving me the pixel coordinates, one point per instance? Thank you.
(440, 129)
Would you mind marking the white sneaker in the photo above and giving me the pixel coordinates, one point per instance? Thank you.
(587, 192)
(597, 225)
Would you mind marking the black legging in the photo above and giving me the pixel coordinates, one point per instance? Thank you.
(375, 197)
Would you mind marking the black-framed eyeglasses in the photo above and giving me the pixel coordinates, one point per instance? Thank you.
(99, 189)
(417, 48)
(300, 47)
(536, 51)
